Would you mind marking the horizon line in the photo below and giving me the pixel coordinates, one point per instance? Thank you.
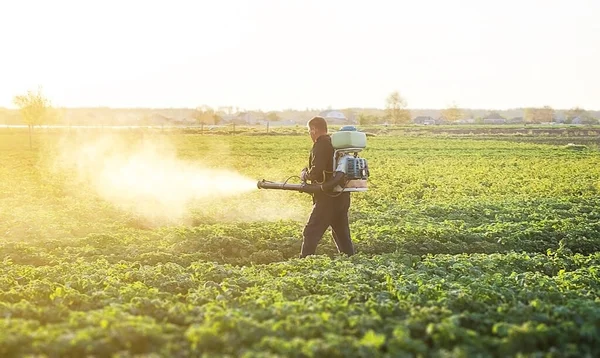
(304, 110)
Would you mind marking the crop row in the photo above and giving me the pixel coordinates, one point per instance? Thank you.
(388, 305)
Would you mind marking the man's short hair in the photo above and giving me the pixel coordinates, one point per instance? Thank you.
(318, 123)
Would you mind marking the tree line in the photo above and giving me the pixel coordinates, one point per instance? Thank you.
(397, 113)
(36, 109)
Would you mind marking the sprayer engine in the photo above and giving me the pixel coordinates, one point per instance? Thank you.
(354, 168)
(350, 172)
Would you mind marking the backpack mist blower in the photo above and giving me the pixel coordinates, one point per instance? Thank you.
(350, 172)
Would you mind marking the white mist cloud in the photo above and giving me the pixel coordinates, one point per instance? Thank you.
(147, 178)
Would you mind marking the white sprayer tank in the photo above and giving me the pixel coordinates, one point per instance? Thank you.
(349, 139)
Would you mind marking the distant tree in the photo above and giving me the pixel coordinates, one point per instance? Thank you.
(452, 113)
(395, 109)
(493, 115)
(272, 117)
(225, 110)
(217, 118)
(206, 115)
(33, 107)
(585, 116)
(363, 119)
(367, 119)
(538, 115)
(200, 116)
(53, 115)
(574, 113)
(349, 114)
(547, 114)
(528, 114)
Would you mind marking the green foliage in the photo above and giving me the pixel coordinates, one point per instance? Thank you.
(386, 305)
(466, 247)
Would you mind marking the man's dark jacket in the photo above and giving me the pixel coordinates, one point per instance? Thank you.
(320, 160)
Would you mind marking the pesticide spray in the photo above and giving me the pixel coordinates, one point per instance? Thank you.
(146, 177)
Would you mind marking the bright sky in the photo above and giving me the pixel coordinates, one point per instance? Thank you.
(275, 54)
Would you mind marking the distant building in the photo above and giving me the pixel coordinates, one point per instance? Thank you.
(515, 120)
(577, 120)
(466, 121)
(245, 117)
(559, 118)
(494, 118)
(425, 120)
(494, 121)
(334, 117)
(441, 120)
(240, 118)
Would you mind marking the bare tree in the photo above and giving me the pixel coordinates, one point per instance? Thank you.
(538, 115)
(582, 114)
(33, 107)
(452, 113)
(396, 108)
(272, 117)
(206, 115)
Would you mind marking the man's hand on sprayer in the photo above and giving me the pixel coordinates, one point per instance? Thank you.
(304, 174)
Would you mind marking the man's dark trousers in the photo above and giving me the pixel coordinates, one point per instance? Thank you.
(328, 211)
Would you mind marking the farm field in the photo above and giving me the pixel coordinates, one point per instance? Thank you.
(466, 247)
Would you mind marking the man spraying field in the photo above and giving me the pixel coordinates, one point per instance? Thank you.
(328, 210)
(334, 171)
